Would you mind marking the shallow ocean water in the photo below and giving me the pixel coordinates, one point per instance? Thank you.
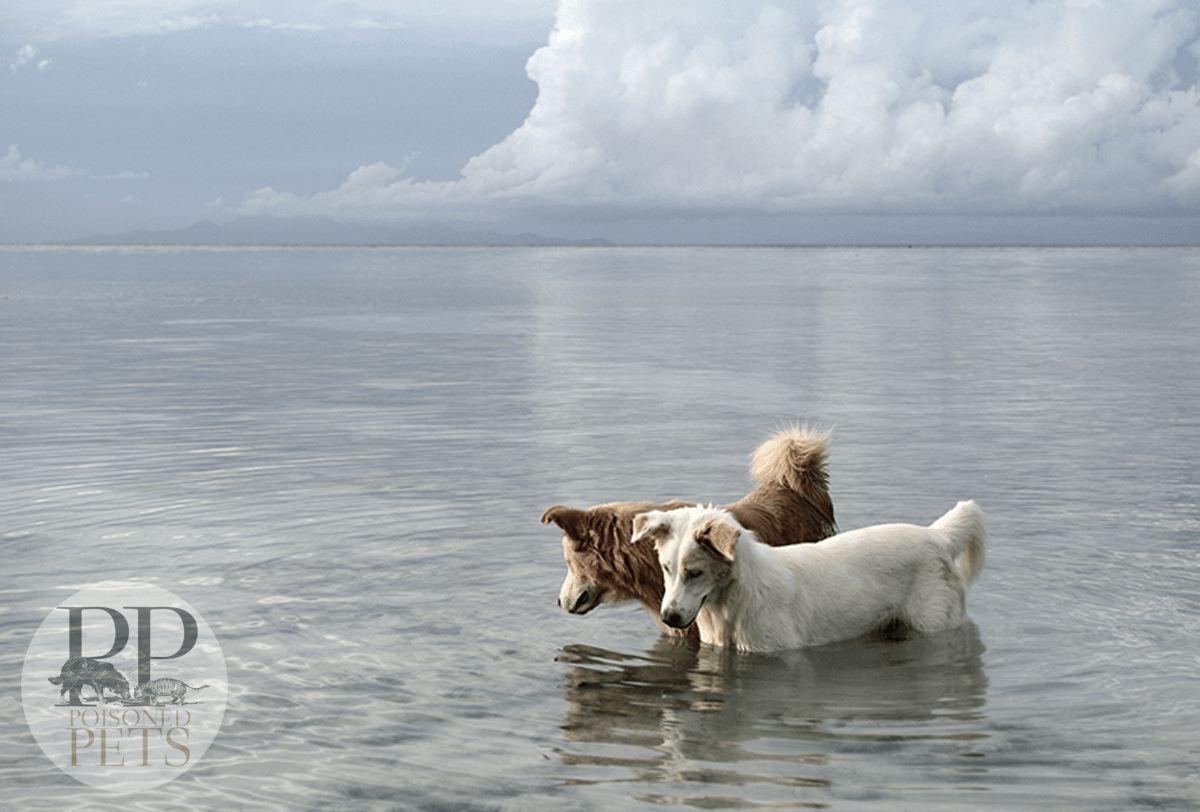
(339, 457)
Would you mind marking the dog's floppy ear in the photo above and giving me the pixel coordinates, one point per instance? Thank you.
(719, 537)
(571, 521)
(653, 525)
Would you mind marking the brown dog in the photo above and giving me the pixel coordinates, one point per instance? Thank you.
(791, 505)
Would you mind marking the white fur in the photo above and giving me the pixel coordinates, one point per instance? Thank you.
(745, 594)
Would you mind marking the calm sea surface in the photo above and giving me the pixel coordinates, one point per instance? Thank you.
(339, 457)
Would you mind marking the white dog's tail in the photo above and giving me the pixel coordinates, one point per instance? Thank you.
(963, 526)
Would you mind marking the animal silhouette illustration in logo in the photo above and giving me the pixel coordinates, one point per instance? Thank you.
(78, 672)
(173, 690)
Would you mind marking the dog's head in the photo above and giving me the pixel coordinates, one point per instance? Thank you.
(696, 548)
(601, 566)
(581, 591)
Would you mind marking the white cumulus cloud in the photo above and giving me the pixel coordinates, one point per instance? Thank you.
(992, 106)
(26, 55)
(15, 168)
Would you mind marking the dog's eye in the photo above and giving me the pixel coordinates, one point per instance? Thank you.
(690, 574)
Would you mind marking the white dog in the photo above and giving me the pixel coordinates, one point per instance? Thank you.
(745, 594)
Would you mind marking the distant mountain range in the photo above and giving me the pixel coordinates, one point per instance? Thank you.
(321, 231)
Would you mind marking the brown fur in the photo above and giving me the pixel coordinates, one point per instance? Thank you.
(718, 536)
(791, 505)
(596, 544)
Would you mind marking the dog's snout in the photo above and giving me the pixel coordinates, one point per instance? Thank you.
(673, 619)
(578, 596)
(581, 602)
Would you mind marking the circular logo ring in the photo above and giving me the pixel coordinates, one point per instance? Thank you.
(124, 686)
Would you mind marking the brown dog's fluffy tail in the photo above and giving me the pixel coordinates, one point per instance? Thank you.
(791, 504)
(793, 459)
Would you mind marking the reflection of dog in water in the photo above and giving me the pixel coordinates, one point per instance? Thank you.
(173, 690)
(80, 671)
(677, 710)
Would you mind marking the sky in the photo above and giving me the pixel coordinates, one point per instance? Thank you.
(631, 120)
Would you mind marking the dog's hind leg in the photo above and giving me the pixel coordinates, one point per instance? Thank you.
(938, 599)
